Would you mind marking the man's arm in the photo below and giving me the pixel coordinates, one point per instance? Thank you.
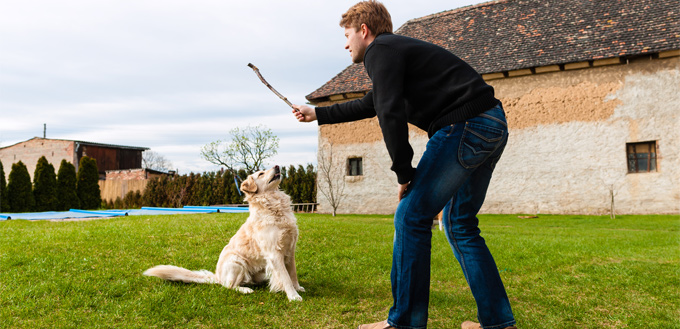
(357, 109)
(304, 113)
(401, 190)
(337, 113)
(386, 68)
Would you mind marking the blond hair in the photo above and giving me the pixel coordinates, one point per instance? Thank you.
(370, 12)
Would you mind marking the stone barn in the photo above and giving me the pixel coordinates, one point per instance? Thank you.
(591, 91)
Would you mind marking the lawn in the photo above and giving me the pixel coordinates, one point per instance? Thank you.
(560, 272)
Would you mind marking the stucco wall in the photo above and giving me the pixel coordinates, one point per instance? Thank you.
(375, 192)
(31, 150)
(570, 163)
(566, 149)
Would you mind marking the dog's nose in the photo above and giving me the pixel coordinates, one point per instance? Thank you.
(276, 168)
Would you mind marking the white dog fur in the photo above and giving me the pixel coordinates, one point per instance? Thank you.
(263, 248)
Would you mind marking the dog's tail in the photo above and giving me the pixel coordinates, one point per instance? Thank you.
(174, 273)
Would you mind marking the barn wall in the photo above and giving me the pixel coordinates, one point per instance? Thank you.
(56, 150)
(566, 153)
(107, 158)
(31, 150)
(111, 158)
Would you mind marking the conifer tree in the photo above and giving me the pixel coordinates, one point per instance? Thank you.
(45, 186)
(88, 184)
(151, 192)
(310, 184)
(4, 202)
(66, 187)
(19, 189)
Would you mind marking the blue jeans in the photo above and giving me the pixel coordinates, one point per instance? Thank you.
(452, 175)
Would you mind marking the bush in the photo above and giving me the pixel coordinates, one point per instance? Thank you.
(118, 204)
(45, 186)
(299, 183)
(132, 200)
(67, 198)
(213, 188)
(210, 188)
(20, 191)
(88, 184)
(4, 202)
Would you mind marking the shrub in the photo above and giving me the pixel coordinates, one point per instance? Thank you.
(20, 193)
(67, 198)
(212, 188)
(299, 183)
(88, 184)
(118, 204)
(132, 200)
(45, 186)
(4, 202)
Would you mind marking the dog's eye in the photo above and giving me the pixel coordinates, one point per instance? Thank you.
(260, 174)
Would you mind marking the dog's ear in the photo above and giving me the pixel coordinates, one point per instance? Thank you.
(249, 185)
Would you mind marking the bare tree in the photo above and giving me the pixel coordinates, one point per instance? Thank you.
(248, 149)
(611, 179)
(331, 177)
(154, 161)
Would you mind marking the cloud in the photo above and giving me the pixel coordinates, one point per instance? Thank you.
(170, 75)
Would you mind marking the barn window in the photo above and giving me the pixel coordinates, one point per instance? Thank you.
(355, 167)
(641, 157)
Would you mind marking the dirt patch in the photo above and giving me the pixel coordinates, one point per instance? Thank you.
(585, 102)
(363, 131)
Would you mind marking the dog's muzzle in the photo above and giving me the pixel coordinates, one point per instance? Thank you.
(277, 174)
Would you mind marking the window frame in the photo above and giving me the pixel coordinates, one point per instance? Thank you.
(359, 169)
(642, 154)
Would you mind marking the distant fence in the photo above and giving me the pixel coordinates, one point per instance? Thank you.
(304, 207)
(118, 188)
(297, 207)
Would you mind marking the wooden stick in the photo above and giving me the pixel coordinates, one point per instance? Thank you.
(257, 71)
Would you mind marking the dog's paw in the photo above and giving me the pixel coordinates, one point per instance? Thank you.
(295, 298)
(245, 290)
(300, 288)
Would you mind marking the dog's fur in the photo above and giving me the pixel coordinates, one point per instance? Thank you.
(263, 248)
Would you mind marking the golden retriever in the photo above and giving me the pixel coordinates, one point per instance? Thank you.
(263, 248)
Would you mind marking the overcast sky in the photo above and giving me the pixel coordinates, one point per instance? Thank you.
(171, 75)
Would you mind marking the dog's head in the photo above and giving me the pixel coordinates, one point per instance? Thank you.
(262, 182)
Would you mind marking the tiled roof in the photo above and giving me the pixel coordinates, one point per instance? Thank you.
(507, 35)
(113, 146)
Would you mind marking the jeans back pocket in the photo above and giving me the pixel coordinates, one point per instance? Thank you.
(479, 141)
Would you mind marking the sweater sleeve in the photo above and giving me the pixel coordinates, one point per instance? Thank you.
(349, 111)
(386, 68)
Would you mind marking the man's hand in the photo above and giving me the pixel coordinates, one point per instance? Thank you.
(304, 113)
(402, 190)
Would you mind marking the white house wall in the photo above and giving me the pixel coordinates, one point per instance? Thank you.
(567, 147)
(375, 192)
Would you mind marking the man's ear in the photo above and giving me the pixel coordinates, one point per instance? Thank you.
(249, 185)
(364, 30)
(366, 34)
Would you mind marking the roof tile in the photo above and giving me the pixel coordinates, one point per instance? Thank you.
(507, 35)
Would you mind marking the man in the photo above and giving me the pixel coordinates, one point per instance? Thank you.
(423, 84)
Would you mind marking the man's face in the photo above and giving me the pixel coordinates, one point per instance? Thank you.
(355, 44)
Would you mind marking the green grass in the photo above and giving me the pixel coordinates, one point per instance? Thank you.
(559, 271)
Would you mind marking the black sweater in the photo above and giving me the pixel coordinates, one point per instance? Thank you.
(413, 82)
